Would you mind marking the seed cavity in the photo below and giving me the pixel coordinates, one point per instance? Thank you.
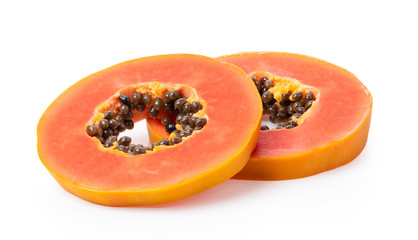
(170, 105)
(284, 109)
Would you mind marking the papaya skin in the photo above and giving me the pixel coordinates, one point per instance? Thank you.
(310, 163)
(269, 162)
(164, 195)
(126, 186)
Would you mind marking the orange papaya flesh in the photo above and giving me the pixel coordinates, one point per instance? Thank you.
(82, 166)
(330, 134)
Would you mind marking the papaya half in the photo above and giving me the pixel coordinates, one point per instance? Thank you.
(81, 142)
(321, 113)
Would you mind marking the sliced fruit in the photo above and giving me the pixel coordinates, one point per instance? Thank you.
(322, 114)
(81, 142)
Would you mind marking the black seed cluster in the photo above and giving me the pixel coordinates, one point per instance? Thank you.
(281, 111)
(107, 129)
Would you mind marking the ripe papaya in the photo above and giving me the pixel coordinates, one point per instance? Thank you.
(80, 138)
(322, 113)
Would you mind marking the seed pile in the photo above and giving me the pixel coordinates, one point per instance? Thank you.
(114, 122)
(283, 110)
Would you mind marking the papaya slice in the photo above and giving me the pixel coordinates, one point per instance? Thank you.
(329, 130)
(80, 138)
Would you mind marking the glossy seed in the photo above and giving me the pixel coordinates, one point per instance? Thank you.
(109, 141)
(196, 106)
(170, 127)
(140, 107)
(101, 139)
(113, 123)
(136, 98)
(165, 120)
(153, 112)
(125, 140)
(107, 133)
(192, 121)
(166, 97)
(297, 96)
(112, 139)
(309, 97)
(187, 107)
(165, 141)
(129, 124)
(175, 140)
(264, 127)
(263, 80)
(121, 127)
(178, 104)
(267, 96)
(309, 104)
(281, 125)
(139, 150)
(146, 99)
(201, 122)
(188, 132)
(268, 84)
(272, 119)
(300, 110)
(91, 130)
(187, 127)
(272, 110)
(297, 104)
(290, 110)
(185, 120)
(148, 148)
(121, 148)
(109, 115)
(158, 103)
(124, 99)
(292, 122)
(128, 116)
(174, 95)
(131, 147)
(124, 109)
(99, 131)
(289, 126)
(119, 118)
(179, 118)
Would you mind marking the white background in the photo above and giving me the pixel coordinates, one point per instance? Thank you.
(47, 46)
